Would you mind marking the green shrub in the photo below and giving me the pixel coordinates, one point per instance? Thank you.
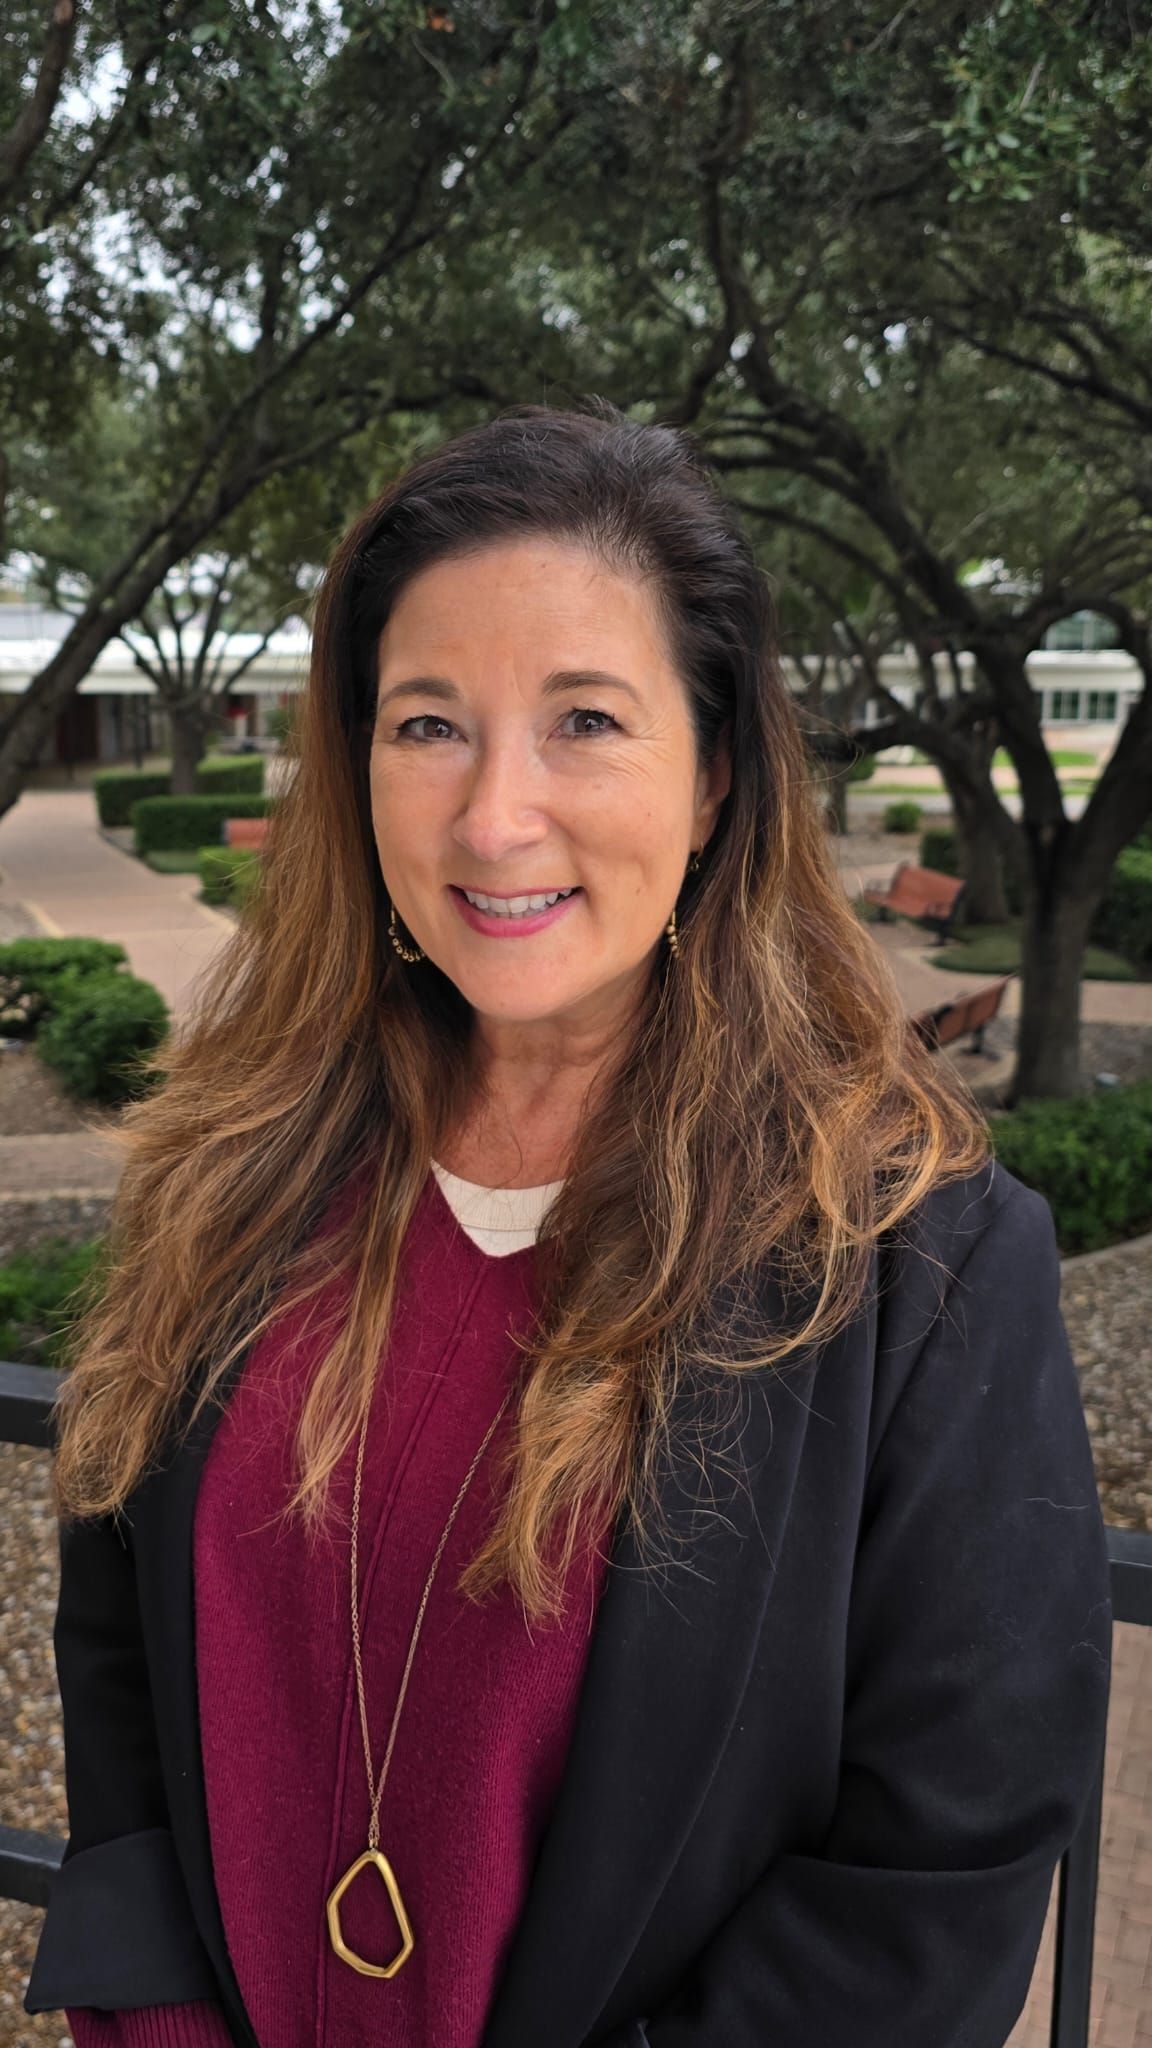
(34, 973)
(190, 822)
(862, 769)
(230, 775)
(1124, 919)
(117, 789)
(96, 1035)
(228, 874)
(41, 1295)
(247, 880)
(1089, 1158)
(940, 850)
(278, 723)
(902, 817)
(173, 860)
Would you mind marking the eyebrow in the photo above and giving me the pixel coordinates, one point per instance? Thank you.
(554, 685)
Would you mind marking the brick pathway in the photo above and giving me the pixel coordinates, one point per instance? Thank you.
(1122, 1974)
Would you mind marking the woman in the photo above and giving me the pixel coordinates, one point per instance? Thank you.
(682, 1618)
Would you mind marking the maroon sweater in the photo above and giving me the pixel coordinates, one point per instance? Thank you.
(488, 1715)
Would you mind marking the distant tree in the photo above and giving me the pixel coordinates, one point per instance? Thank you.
(287, 185)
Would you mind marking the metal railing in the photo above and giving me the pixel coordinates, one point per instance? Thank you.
(29, 1861)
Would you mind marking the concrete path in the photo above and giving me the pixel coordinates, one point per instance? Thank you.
(909, 952)
(54, 859)
(63, 1163)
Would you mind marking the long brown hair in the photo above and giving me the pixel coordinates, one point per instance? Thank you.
(773, 1107)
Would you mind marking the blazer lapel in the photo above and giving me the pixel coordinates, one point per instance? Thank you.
(163, 1514)
(670, 1658)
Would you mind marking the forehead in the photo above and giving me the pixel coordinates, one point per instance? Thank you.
(544, 603)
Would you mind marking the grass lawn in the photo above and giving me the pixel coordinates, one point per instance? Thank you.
(176, 860)
(1062, 757)
(995, 949)
(909, 789)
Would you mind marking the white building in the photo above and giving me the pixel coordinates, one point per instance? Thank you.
(116, 716)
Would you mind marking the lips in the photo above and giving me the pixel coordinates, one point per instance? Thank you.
(496, 924)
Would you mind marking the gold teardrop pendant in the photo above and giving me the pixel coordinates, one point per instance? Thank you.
(336, 1933)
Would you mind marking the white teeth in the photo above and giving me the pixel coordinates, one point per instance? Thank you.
(514, 906)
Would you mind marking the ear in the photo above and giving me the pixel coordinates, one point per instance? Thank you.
(713, 785)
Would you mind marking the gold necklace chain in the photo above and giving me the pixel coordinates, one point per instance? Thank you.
(372, 1854)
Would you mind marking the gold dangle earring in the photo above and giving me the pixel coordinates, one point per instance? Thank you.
(405, 952)
(670, 931)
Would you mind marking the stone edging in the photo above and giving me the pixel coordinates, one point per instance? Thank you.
(1079, 1260)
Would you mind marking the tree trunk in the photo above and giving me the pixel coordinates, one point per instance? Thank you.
(189, 745)
(984, 899)
(1052, 960)
(979, 832)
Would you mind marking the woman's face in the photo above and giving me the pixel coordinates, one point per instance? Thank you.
(532, 736)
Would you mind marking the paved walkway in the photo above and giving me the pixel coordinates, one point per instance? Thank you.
(54, 859)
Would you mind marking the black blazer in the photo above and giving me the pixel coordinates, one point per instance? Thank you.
(825, 1762)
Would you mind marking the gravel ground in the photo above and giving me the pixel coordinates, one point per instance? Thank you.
(1121, 1049)
(26, 1224)
(1107, 1304)
(16, 922)
(31, 1744)
(32, 1101)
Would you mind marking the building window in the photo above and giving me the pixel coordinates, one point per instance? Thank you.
(1065, 705)
(1082, 633)
(1102, 705)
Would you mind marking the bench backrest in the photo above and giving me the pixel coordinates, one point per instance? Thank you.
(947, 1022)
(920, 892)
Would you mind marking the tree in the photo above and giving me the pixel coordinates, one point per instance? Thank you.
(285, 254)
(792, 201)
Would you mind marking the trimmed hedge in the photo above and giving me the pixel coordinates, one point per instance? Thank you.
(190, 822)
(1089, 1157)
(117, 789)
(36, 973)
(939, 850)
(902, 817)
(41, 1295)
(231, 774)
(1124, 919)
(96, 1034)
(228, 874)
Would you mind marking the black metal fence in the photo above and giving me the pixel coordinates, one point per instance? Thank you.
(28, 1861)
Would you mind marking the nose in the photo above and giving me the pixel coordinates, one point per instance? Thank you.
(501, 813)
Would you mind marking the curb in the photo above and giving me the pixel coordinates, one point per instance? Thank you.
(1079, 1260)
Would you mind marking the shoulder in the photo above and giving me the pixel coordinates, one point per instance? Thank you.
(977, 1255)
(988, 1216)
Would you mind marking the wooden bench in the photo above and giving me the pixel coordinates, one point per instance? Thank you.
(250, 832)
(950, 1021)
(924, 895)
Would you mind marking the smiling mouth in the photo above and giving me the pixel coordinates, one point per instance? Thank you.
(525, 905)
